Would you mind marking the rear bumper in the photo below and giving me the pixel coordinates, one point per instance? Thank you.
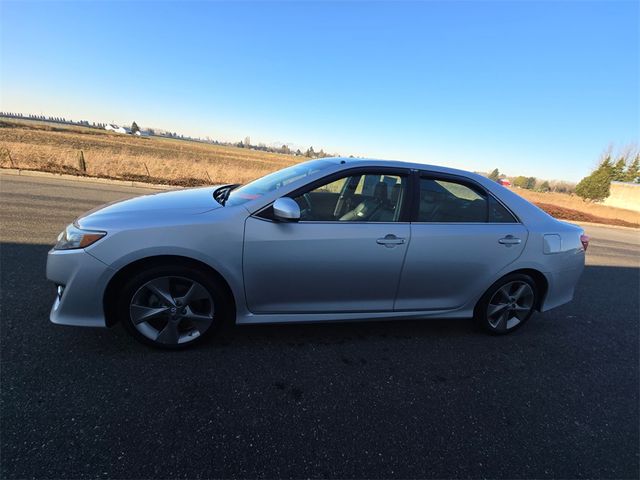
(561, 287)
(83, 279)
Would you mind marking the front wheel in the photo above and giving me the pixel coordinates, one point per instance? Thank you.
(507, 305)
(171, 307)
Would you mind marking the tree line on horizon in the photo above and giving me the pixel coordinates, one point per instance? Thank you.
(595, 187)
(45, 118)
(286, 150)
(533, 183)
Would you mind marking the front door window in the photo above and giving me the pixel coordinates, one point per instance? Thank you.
(367, 197)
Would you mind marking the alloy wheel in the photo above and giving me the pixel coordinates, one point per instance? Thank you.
(172, 310)
(510, 305)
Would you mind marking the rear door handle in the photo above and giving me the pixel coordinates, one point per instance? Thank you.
(510, 240)
(390, 240)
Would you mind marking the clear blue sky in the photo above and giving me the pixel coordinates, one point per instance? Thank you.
(534, 88)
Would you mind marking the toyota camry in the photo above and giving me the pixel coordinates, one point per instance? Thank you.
(336, 239)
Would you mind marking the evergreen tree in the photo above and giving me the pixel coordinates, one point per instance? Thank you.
(606, 164)
(633, 171)
(618, 170)
(596, 186)
(520, 181)
(134, 128)
(494, 175)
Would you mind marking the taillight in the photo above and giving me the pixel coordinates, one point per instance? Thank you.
(584, 240)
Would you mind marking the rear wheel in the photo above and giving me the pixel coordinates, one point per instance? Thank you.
(171, 306)
(507, 304)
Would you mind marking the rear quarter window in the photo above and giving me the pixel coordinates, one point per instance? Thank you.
(498, 213)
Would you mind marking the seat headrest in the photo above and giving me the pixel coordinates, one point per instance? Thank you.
(380, 191)
(395, 193)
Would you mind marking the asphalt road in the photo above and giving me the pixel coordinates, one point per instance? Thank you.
(559, 398)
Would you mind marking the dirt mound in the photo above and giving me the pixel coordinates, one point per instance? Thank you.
(562, 213)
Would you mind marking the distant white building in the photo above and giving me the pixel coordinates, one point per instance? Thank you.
(116, 129)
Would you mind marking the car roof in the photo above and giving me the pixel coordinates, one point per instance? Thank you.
(355, 162)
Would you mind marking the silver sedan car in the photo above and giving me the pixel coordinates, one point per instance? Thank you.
(326, 240)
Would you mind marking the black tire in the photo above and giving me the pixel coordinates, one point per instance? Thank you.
(221, 305)
(498, 313)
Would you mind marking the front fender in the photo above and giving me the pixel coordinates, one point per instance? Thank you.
(218, 246)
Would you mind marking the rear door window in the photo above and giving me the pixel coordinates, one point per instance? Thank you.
(449, 201)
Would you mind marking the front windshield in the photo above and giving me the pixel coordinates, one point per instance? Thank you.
(275, 180)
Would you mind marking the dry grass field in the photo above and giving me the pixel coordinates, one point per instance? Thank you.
(52, 147)
(33, 145)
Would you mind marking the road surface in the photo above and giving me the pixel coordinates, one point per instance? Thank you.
(559, 398)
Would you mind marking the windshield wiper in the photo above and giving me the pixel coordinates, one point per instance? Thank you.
(221, 194)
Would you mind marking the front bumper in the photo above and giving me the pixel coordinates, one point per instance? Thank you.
(83, 279)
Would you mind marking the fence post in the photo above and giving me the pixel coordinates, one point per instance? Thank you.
(10, 159)
(147, 169)
(210, 181)
(82, 165)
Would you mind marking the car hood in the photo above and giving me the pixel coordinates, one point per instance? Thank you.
(151, 209)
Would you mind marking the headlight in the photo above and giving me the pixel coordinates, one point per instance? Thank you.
(74, 237)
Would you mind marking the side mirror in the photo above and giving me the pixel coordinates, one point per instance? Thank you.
(286, 209)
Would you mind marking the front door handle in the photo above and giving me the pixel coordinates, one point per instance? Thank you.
(510, 240)
(390, 240)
